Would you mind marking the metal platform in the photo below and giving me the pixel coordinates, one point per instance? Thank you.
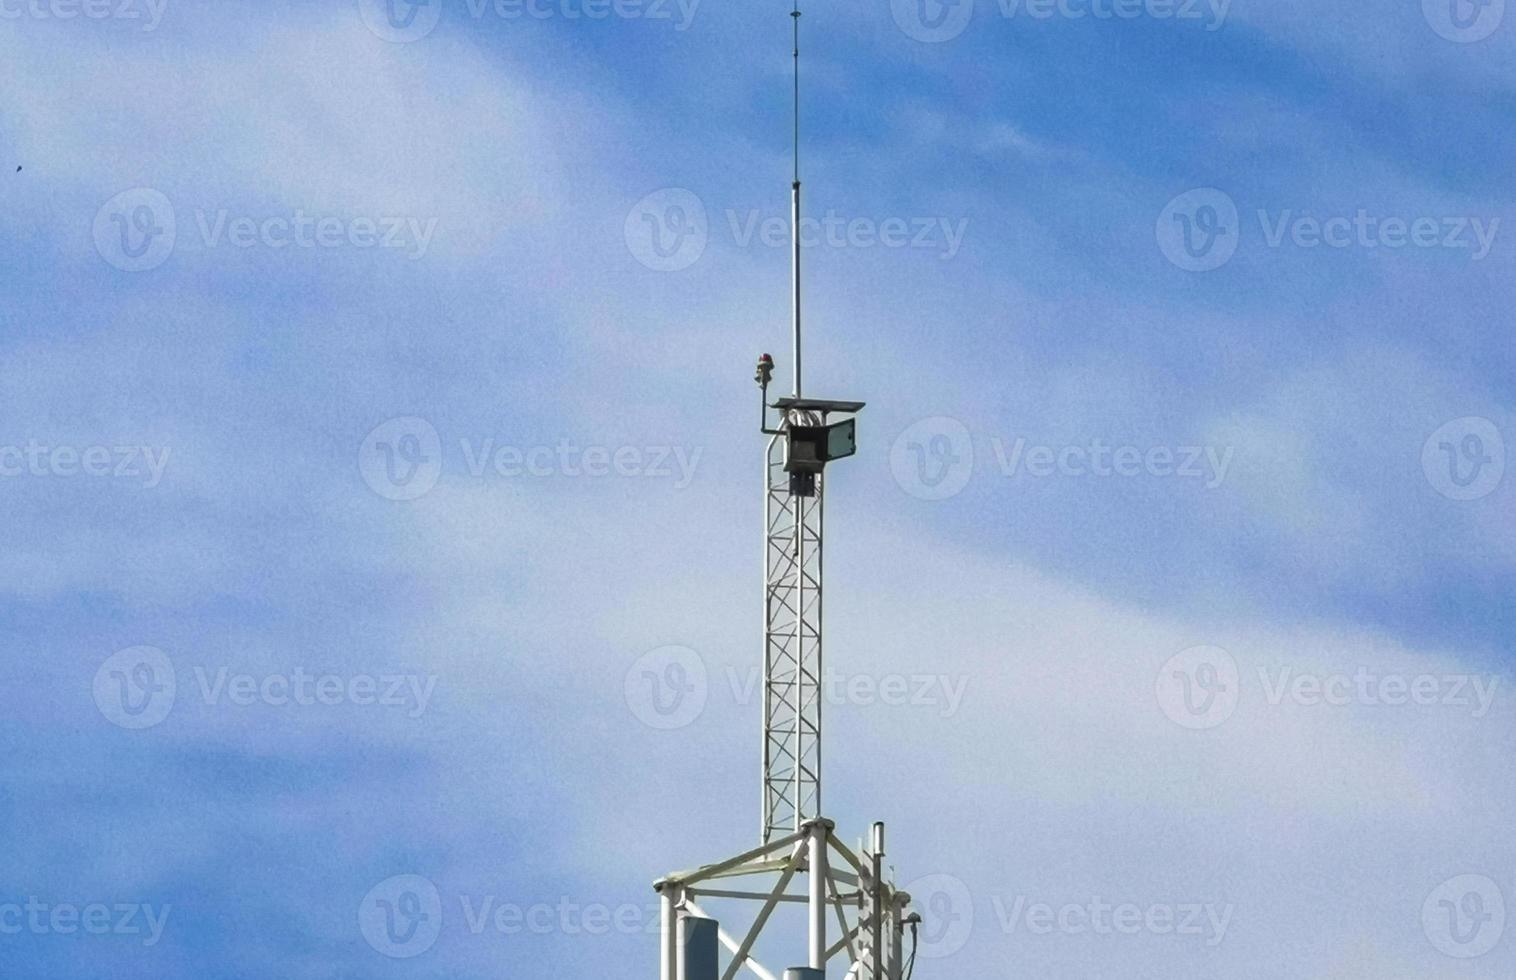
(823, 405)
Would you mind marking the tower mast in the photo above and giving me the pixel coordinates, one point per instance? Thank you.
(796, 840)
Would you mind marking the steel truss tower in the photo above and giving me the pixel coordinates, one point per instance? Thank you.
(797, 842)
(792, 661)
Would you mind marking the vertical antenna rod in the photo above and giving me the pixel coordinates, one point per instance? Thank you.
(795, 201)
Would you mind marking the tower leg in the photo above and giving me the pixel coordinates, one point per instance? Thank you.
(818, 880)
(897, 945)
(669, 943)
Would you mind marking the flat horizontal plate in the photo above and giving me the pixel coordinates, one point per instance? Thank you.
(818, 405)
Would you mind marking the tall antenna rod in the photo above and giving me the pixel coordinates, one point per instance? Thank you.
(795, 202)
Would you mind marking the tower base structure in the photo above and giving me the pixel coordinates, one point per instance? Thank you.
(842, 889)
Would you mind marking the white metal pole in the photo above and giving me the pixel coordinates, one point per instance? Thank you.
(876, 947)
(897, 936)
(818, 880)
(795, 236)
(795, 201)
(669, 957)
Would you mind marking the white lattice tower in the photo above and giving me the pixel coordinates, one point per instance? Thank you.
(792, 691)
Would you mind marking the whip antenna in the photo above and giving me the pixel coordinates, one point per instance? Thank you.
(795, 205)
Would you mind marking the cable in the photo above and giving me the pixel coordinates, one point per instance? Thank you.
(910, 965)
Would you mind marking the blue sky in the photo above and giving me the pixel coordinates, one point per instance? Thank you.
(411, 366)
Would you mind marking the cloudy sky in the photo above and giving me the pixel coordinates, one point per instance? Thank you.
(379, 595)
